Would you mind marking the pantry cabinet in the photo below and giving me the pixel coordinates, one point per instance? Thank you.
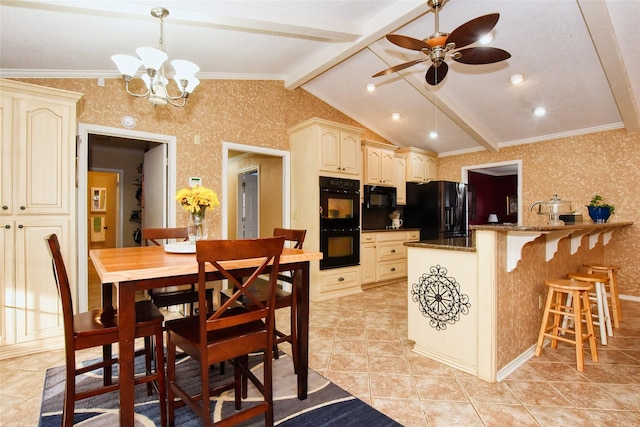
(322, 148)
(378, 163)
(421, 164)
(37, 196)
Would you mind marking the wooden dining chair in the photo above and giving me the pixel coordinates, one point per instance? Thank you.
(284, 298)
(230, 333)
(94, 329)
(173, 295)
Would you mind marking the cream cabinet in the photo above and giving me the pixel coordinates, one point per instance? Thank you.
(378, 163)
(421, 164)
(335, 148)
(383, 256)
(37, 196)
(399, 180)
(322, 148)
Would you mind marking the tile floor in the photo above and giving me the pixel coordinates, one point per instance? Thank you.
(360, 342)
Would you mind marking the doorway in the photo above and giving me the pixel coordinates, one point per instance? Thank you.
(510, 168)
(231, 150)
(248, 200)
(123, 137)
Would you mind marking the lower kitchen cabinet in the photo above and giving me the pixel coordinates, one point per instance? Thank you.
(383, 256)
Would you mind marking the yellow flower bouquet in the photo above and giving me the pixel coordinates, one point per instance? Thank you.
(196, 199)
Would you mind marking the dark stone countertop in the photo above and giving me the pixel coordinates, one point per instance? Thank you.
(575, 226)
(465, 244)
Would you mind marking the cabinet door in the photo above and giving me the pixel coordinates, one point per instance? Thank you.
(6, 156)
(373, 166)
(399, 169)
(417, 168)
(38, 312)
(350, 153)
(368, 263)
(7, 280)
(43, 166)
(386, 167)
(330, 149)
(430, 169)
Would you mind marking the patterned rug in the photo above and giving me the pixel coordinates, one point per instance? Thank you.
(326, 405)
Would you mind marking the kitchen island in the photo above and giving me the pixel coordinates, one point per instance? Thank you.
(476, 303)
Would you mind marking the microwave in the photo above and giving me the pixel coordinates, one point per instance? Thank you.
(377, 196)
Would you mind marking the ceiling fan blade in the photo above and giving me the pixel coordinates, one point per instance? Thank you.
(482, 55)
(399, 67)
(472, 31)
(435, 75)
(407, 42)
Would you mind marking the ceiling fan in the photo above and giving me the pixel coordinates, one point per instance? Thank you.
(440, 45)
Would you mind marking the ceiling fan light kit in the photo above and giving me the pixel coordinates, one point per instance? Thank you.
(152, 60)
(438, 46)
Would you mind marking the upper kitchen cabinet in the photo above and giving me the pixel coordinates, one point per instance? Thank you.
(336, 146)
(378, 163)
(399, 177)
(37, 196)
(421, 164)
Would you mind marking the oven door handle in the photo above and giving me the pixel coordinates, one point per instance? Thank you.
(341, 229)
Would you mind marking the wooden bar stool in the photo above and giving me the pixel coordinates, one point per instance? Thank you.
(600, 298)
(609, 270)
(579, 310)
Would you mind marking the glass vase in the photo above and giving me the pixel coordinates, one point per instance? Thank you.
(198, 227)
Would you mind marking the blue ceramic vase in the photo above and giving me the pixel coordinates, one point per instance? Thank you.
(599, 214)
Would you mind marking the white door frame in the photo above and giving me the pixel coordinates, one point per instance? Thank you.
(82, 150)
(516, 163)
(286, 181)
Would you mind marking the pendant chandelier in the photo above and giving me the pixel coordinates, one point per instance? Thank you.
(152, 60)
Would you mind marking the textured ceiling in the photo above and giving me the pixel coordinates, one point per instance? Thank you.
(580, 59)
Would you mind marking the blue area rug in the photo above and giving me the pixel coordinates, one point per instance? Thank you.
(327, 404)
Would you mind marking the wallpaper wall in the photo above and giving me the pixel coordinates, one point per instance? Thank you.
(260, 112)
(576, 168)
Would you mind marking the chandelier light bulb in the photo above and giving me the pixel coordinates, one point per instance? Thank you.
(488, 38)
(433, 134)
(152, 61)
(371, 87)
(395, 116)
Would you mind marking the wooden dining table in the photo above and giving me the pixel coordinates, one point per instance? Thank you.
(139, 268)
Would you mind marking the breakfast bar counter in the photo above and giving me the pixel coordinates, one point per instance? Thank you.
(476, 304)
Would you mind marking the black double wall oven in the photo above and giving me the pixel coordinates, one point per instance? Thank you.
(339, 222)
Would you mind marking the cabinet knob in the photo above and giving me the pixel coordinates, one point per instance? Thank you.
(393, 269)
(22, 208)
(393, 251)
(340, 279)
(5, 208)
(21, 226)
(7, 226)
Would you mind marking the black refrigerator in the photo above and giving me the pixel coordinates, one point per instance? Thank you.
(437, 208)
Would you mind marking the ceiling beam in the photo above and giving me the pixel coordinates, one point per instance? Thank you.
(596, 17)
(260, 18)
(392, 18)
(420, 86)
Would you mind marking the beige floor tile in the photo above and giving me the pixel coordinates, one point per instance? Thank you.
(438, 388)
(348, 362)
(480, 391)
(612, 418)
(355, 382)
(505, 415)
(406, 412)
(553, 417)
(536, 393)
(451, 414)
(627, 394)
(393, 386)
(587, 395)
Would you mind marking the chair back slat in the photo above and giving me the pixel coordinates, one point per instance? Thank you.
(217, 253)
(154, 236)
(291, 235)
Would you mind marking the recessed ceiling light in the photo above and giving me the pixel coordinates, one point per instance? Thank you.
(540, 111)
(395, 116)
(516, 79)
(487, 39)
(433, 134)
(371, 87)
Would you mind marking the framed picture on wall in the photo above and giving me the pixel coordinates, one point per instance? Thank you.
(98, 199)
(512, 205)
